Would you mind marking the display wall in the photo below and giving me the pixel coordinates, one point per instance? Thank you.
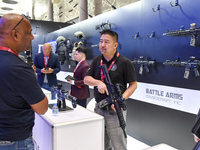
(164, 106)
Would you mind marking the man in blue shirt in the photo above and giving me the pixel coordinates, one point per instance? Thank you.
(20, 93)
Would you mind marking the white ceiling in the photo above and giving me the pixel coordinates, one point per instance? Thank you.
(39, 8)
(24, 7)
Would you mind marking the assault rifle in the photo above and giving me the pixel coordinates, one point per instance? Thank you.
(62, 95)
(116, 98)
(182, 32)
(143, 63)
(194, 32)
(190, 64)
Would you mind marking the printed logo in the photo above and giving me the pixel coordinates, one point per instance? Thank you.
(114, 67)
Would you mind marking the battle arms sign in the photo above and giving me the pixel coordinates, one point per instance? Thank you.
(164, 96)
(171, 97)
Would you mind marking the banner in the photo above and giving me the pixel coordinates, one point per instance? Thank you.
(171, 97)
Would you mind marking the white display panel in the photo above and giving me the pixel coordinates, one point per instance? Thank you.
(171, 97)
(74, 129)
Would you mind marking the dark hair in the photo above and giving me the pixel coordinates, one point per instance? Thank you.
(111, 33)
(82, 50)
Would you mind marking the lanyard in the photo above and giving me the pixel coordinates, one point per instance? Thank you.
(78, 65)
(8, 49)
(46, 60)
(101, 63)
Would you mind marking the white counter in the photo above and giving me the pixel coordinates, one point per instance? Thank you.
(47, 93)
(78, 129)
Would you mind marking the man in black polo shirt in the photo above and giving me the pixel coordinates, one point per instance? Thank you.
(121, 70)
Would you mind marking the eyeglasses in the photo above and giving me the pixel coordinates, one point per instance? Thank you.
(23, 16)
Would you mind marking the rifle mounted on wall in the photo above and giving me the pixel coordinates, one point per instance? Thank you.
(191, 64)
(143, 63)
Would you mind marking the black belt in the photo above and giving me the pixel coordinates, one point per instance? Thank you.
(108, 107)
(105, 104)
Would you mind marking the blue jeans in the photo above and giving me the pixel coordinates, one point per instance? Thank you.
(26, 144)
(47, 87)
(114, 135)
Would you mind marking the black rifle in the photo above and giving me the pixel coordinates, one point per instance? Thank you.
(62, 95)
(182, 32)
(143, 64)
(194, 32)
(190, 64)
(116, 98)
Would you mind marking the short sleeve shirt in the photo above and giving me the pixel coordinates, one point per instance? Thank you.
(19, 89)
(122, 72)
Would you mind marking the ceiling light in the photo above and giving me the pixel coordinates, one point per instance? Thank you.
(55, 1)
(6, 8)
(10, 1)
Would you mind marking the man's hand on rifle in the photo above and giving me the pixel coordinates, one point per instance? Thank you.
(102, 88)
(113, 107)
(196, 139)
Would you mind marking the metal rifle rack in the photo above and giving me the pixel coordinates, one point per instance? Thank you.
(157, 8)
(175, 3)
(152, 35)
(136, 35)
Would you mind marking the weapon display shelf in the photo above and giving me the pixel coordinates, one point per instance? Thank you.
(78, 129)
